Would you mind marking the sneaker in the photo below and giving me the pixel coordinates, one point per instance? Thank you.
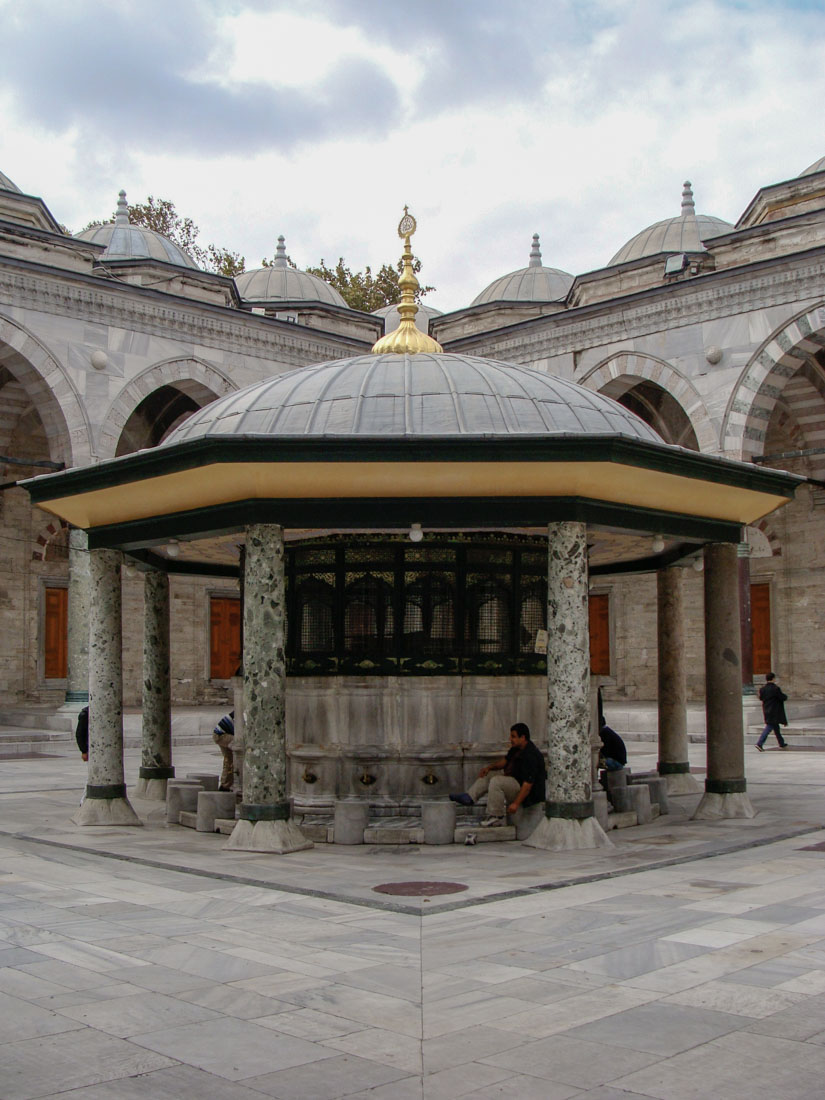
(784, 745)
(462, 799)
(492, 822)
(759, 748)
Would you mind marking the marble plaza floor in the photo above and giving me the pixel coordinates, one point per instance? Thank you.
(687, 961)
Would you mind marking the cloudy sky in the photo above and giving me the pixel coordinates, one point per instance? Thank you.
(492, 119)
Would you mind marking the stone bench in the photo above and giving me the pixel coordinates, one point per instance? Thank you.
(213, 805)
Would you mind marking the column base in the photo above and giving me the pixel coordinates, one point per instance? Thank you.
(717, 807)
(682, 783)
(105, 811)
(152, 789)
(280, 837)
(560, 834)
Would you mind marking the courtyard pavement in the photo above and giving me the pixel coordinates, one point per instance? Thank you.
(686, 961)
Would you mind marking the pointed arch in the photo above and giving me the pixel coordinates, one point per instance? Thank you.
(621, 371)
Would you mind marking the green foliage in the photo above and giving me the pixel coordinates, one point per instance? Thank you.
(363, 290)
(161, 215)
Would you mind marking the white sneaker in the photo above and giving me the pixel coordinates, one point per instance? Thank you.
(492, 822)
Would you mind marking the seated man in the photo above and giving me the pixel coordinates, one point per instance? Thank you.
(613, 754)
(224, 737)
(520, 784)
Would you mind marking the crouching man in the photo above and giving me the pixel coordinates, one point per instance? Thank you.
(521, 782)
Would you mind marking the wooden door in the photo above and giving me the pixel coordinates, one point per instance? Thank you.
(224, 637)
(56, 633)
(761, 627)
(599, 607)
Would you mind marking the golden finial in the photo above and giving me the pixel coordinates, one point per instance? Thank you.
(407, 338)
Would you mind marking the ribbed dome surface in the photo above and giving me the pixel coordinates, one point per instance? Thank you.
(8, 185)
(125, 241)
(286, 284)
(413, 395)
(685, 233)
(812, 169)
(281, 283)
(392, 318)
(534, 283)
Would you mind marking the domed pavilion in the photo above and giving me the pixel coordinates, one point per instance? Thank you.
(416, 532)
(685, 233)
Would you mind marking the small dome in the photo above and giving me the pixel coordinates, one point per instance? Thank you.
(134, 242)
(428, 394)
(392, 318)
(683, 234)
(534, 283)
(812, 169)
(281, 283)
(7, 185)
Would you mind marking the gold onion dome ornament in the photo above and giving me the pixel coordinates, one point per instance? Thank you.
(407, 338)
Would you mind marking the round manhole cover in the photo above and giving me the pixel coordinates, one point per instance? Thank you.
(419, 889)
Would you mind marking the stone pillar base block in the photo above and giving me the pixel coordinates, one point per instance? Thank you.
(280, 837)
(717, 807)
(207, 780)
(106, 811)
(211, 806)
(682, 783)
(351, 817)
(560, 834)
(438, 822)
(152, 789)
(526, 818)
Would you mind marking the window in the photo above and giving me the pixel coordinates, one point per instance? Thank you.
(761, 627)
(224, 636)
(55, 633)
(599, 606)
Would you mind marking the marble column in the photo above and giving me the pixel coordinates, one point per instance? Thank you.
(105, 802)
(77, 680)
(569, 821)
(725, 787)
(673, 740)
(264, 824)
(156, 748)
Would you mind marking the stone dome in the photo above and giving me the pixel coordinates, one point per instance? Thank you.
(812, 169)
(392, 318)
(281, 283)
(404, 396)
(125, 241)
(7, 185)
(686, 233)
(534, 283)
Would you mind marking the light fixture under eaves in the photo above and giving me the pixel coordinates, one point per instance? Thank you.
(416, 534)
(173, 548)
(658, 544)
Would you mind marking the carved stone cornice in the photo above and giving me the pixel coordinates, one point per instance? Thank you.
(710, 297)
(140, 310)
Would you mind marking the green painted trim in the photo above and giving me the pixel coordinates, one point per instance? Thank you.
(265, 450)
(569, 811)
(76, 697)
(113, 790)
(450, 513)
(726, 786)
(665, 768)
(156, 773)
(271, 811)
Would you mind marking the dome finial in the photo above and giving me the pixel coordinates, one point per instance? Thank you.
(688, 205)
(407, 337)
(122, 215)
(280, 253)
(535, 252)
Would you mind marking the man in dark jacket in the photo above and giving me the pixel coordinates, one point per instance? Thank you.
(520, 784)
(773, 710)
(81, 733)
(613, 754)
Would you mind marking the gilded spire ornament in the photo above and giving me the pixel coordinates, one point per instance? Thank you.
(407, 338)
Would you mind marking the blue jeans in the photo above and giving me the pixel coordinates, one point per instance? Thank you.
(763, 736)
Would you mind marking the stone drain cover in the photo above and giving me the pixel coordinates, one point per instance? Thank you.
(419, 889)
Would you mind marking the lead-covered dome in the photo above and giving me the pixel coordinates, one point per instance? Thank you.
(686, 233)
(534, 283)
(125, 241)
(812, 169)
(426, 394)
(8, 185)
(278, 282)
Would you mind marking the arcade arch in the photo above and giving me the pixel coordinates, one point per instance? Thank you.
(659, 394)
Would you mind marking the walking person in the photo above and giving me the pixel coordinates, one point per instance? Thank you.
(773, 710)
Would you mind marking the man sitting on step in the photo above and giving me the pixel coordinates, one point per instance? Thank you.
(521, 782)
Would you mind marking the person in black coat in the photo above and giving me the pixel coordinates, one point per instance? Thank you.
(81, 733)
(773, 710)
